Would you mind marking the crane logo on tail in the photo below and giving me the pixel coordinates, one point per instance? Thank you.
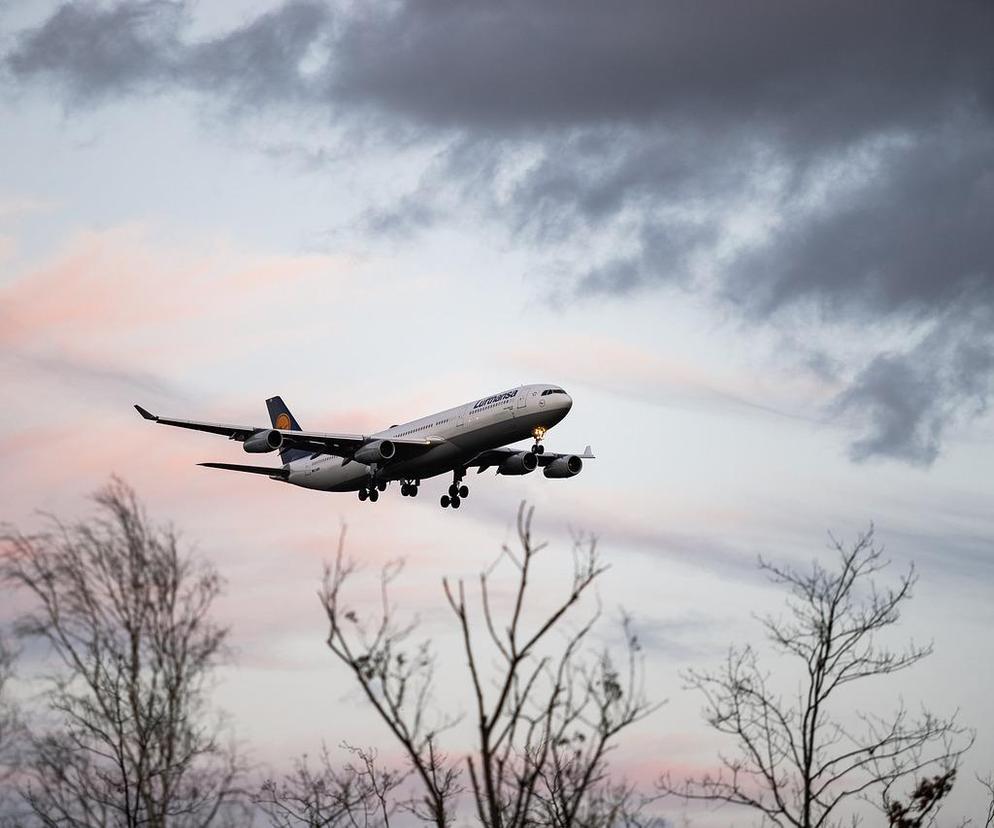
(282, 421)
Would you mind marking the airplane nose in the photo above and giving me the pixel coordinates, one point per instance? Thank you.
(568, 402)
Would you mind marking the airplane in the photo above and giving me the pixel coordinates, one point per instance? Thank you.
(473, 435)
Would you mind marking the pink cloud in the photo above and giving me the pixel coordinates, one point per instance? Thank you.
(103, 285)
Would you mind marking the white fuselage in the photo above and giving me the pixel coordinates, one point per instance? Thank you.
(462, 432)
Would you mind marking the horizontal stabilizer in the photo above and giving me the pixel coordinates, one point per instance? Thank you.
(276, 474)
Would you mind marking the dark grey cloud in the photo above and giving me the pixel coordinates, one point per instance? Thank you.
(913, 237)
(645, 128)
(95, 51)
(906, 399)
(773, 66)
(648, 119)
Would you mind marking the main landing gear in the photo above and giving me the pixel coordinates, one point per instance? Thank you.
(457, 491)
(538, 433)
(372, 493)
(408, 488)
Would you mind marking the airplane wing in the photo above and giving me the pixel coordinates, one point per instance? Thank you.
(494, 457)
(275, 474)
(317, 442)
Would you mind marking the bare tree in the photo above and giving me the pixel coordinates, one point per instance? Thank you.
(11, 731)
(546, 716)
(798, 760)
(9, 722)
(988, 783)
(127, 616)
(360, 795)
(396, 679)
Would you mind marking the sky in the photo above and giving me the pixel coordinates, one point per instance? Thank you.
(752, 241)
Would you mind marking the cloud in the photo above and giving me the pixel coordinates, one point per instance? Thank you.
(640, 374)
(907, 399)
(684, 637)
(911, 236)
(95, 51)
(784, 160)
(101, 286)
(107, 380)
(96, 285)
(523, 66)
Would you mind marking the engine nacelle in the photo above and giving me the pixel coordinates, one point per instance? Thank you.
(263, 441)
(375, 452)
(564, 467)
(520, 463)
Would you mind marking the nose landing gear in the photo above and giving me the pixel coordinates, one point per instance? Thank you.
(538, 433)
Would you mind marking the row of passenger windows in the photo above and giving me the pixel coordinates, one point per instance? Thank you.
(422, 428)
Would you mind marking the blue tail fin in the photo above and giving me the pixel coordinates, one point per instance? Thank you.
(282, 419)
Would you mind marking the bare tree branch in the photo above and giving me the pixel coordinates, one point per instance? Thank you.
(127, 616)
(796, 762)
(546, 717)
(988, 783)
(356, 796)
(11, 729)
(396, 680)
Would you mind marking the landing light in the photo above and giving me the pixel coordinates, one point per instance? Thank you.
(538, 432)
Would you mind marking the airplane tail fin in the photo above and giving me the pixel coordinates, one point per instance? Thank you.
(282, 419)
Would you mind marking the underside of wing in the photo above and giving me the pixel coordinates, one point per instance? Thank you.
(497, 457)
(349, 446)
(319, 442)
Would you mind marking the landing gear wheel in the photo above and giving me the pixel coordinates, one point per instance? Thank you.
(453, 490)
(444, 500)
(464, 491)
(374, 495)
(414, 490)
(363, 494)
(455, 502)
(538, 433)
(381, 486)
(405, 490)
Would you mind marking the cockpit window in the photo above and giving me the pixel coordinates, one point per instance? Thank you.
(548, 391)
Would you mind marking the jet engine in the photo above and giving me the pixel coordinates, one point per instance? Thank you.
(375, 452)
(520, 463)
(564, 467)
(263, 441)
